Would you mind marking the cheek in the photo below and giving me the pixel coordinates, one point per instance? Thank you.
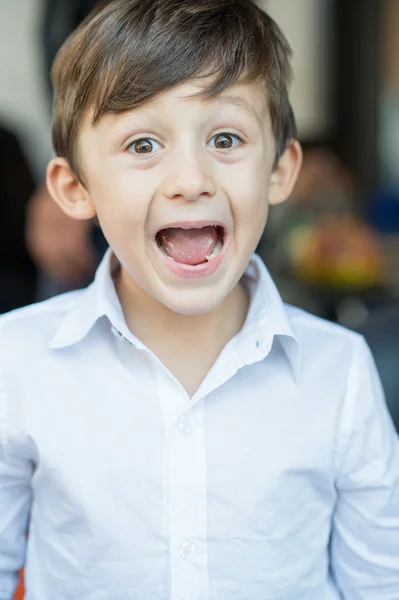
(121, 197)
(250, 195)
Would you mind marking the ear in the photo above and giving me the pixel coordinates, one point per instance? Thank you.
(67, 191)
(284, 176)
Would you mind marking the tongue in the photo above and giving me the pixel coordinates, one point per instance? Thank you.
(189, 246)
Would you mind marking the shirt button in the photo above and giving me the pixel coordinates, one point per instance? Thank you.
(184, 426)
(187, 550)
(120, 335)
(116, 333)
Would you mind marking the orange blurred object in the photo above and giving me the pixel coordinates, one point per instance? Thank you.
(19, 594)
(339, 252)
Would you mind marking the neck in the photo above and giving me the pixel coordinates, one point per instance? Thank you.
(151, 321)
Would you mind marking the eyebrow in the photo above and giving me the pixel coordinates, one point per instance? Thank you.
(243, 104)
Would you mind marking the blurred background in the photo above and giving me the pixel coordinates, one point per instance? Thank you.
(333, 249)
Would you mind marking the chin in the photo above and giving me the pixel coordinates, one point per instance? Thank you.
(186, 304)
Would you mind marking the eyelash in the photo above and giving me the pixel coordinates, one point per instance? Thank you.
(149, 139)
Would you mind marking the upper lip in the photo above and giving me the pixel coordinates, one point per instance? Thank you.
(191, 225)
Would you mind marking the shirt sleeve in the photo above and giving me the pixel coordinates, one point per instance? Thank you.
(365, 532)
(15, 501)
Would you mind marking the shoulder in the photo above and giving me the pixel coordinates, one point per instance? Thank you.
(323, 342)
(35, 324)
(336, 366)
(313, 329)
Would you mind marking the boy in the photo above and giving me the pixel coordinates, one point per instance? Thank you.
(174, 432)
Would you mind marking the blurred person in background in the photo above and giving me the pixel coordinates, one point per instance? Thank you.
(66, 251)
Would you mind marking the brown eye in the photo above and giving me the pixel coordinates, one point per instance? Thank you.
(142, 146)
(223, 141)
(226, 141)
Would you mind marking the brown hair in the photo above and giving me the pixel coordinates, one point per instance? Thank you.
(131, 50)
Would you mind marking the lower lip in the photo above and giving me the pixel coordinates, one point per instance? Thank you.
(193, 271)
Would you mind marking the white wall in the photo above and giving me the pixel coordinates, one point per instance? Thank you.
(23, 100)
(24, 103)
(307, 26)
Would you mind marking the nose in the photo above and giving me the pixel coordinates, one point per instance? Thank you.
(189, 177)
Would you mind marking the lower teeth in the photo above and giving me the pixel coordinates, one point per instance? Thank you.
(164, 252)
(215, 252)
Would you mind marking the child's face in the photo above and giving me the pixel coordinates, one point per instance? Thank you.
(185, 162)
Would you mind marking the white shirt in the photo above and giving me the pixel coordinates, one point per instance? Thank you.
(278, 480)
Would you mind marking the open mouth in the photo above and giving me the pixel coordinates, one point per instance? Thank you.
(191, 246)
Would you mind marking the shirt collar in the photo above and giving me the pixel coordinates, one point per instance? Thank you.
(267, 317)
(98, 300)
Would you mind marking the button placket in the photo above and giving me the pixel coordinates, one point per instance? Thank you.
(187, 550)
(185, 426)
(188, 506)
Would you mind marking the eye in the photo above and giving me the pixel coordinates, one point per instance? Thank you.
(144, 146)
(226, 141)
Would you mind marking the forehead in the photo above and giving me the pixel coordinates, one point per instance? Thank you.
(247, 99)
